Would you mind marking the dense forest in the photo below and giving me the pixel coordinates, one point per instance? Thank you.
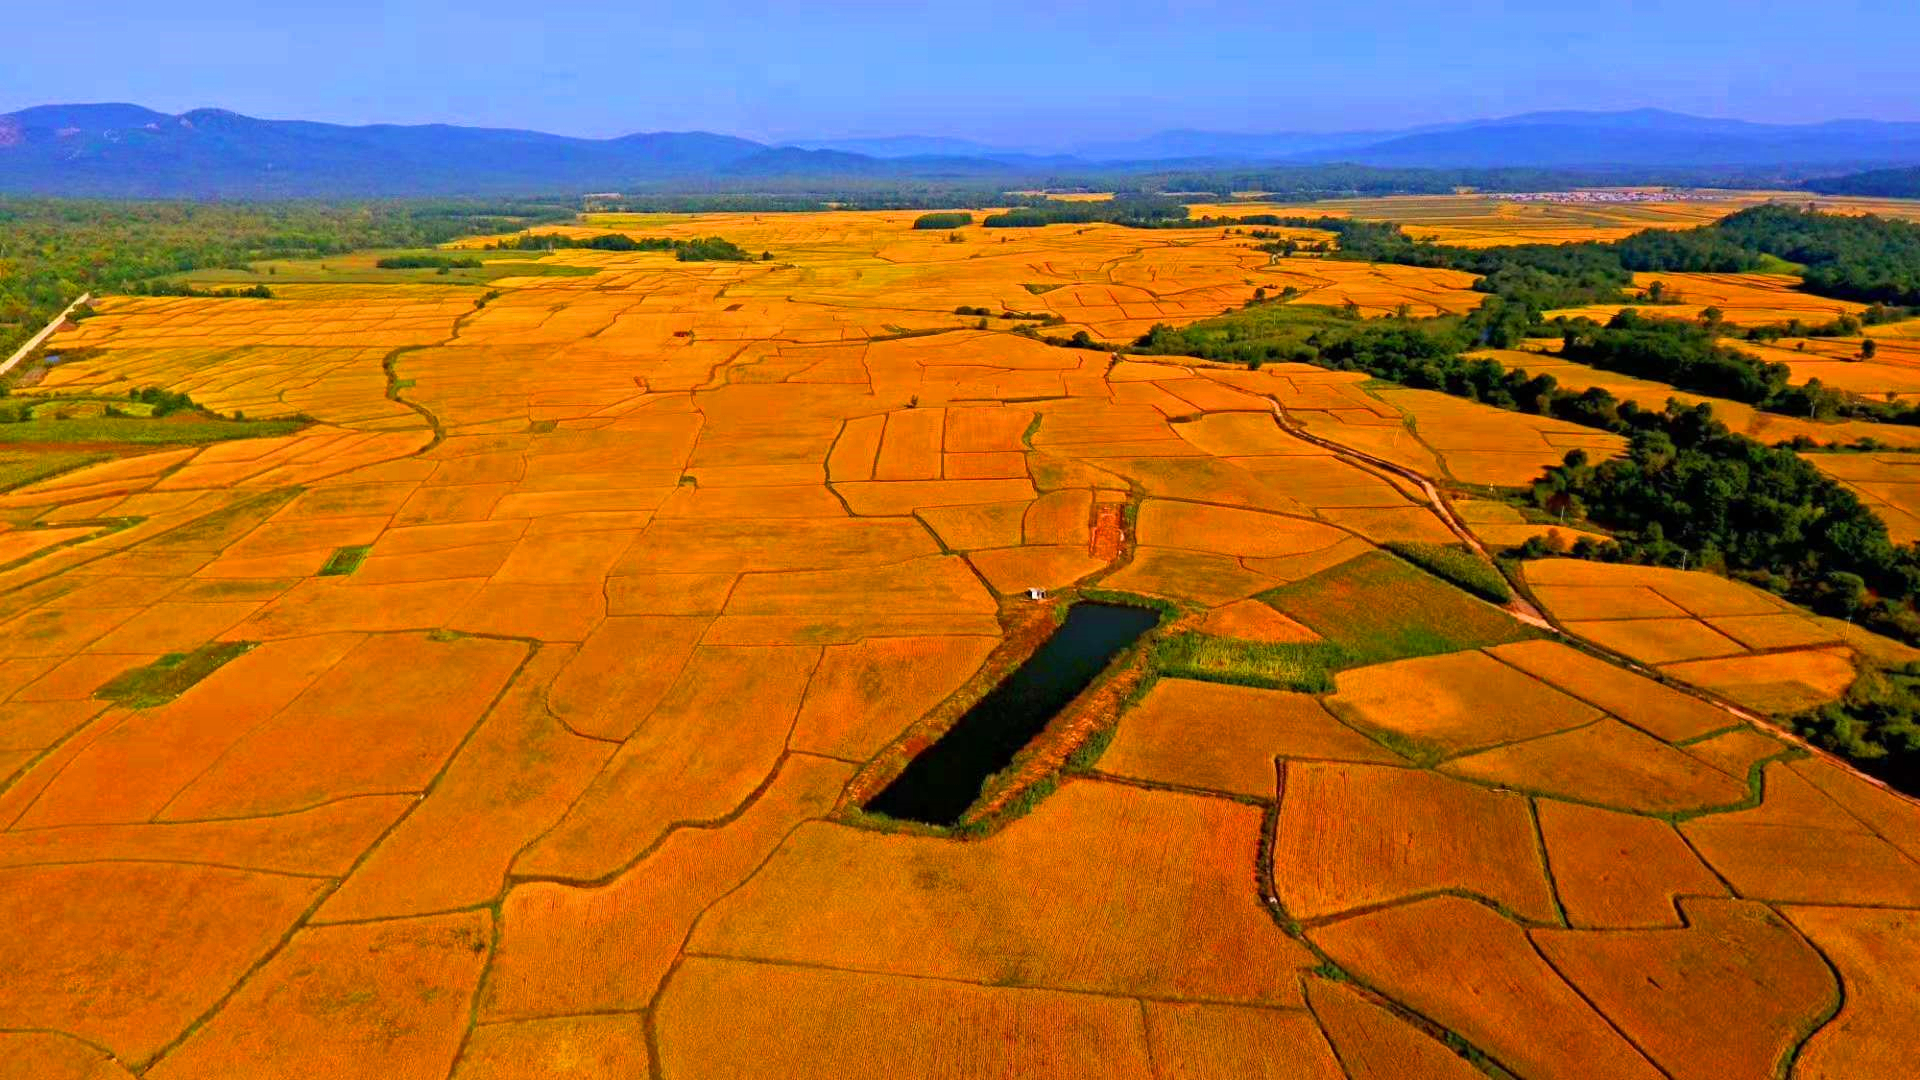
(1866, 258)
(699, 249)
(52, 250)
(1878, 183)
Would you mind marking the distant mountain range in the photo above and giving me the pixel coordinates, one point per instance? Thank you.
(126, 150)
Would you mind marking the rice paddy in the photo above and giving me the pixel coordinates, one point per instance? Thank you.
(509, 710)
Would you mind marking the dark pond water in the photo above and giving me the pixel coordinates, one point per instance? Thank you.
(939, 785)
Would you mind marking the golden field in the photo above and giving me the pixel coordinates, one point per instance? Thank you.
(653, 568)
(1488, 220)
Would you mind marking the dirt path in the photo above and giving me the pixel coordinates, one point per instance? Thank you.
(1519, 607)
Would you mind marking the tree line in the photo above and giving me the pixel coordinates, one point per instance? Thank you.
(699, 249)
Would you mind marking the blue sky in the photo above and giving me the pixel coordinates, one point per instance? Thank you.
(1008, 72)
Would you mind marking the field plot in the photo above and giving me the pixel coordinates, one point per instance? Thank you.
(1728, 637)
(1490, 221)
(1889, 483)
(1743, 299)
(1766, 427)
(1894, 369)
(1493, 221)
(506, 715)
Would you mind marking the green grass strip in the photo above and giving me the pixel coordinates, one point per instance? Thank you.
(1306, 667)
(1457, 564)
(170, 676)
(345, 561)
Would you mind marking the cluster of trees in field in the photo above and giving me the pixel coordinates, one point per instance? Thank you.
(1139, 211)
(52, 250)
(1864, 258)
(162, 287)
(1876, 725)
(427, 262)
(951, 219)
(699, 249)
(1689, 356)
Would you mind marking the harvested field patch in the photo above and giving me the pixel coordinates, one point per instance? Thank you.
(1774, 682)
(621, 672)
(1376, 1045)
(1230, 531)
(863, 695)
(1658, 710)
(1455, 703)
(1014, 570)
(1188, 575)
(1615, 870)
(513, 778)
(722, 1019)
(1225, 738)
(1500, 995)
(1305, 666)
(1252, 620)
(1736, 970)
(1658, 641)
(1195, 1042)
(551, 957)
(1608, 764)
(1018, 907)
(168, 677)
(383, 720)
(127, 955)
(141, 760)
(1799, 865)
(682, 763)
(384, 1001)
(1428, 833)
(1876, 953)
(576, 1047)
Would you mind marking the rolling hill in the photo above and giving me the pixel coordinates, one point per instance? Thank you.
(120, 150)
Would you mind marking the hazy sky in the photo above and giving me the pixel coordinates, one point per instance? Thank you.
(1011, 72)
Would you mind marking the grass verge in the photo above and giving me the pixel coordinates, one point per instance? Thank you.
(170, 676)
